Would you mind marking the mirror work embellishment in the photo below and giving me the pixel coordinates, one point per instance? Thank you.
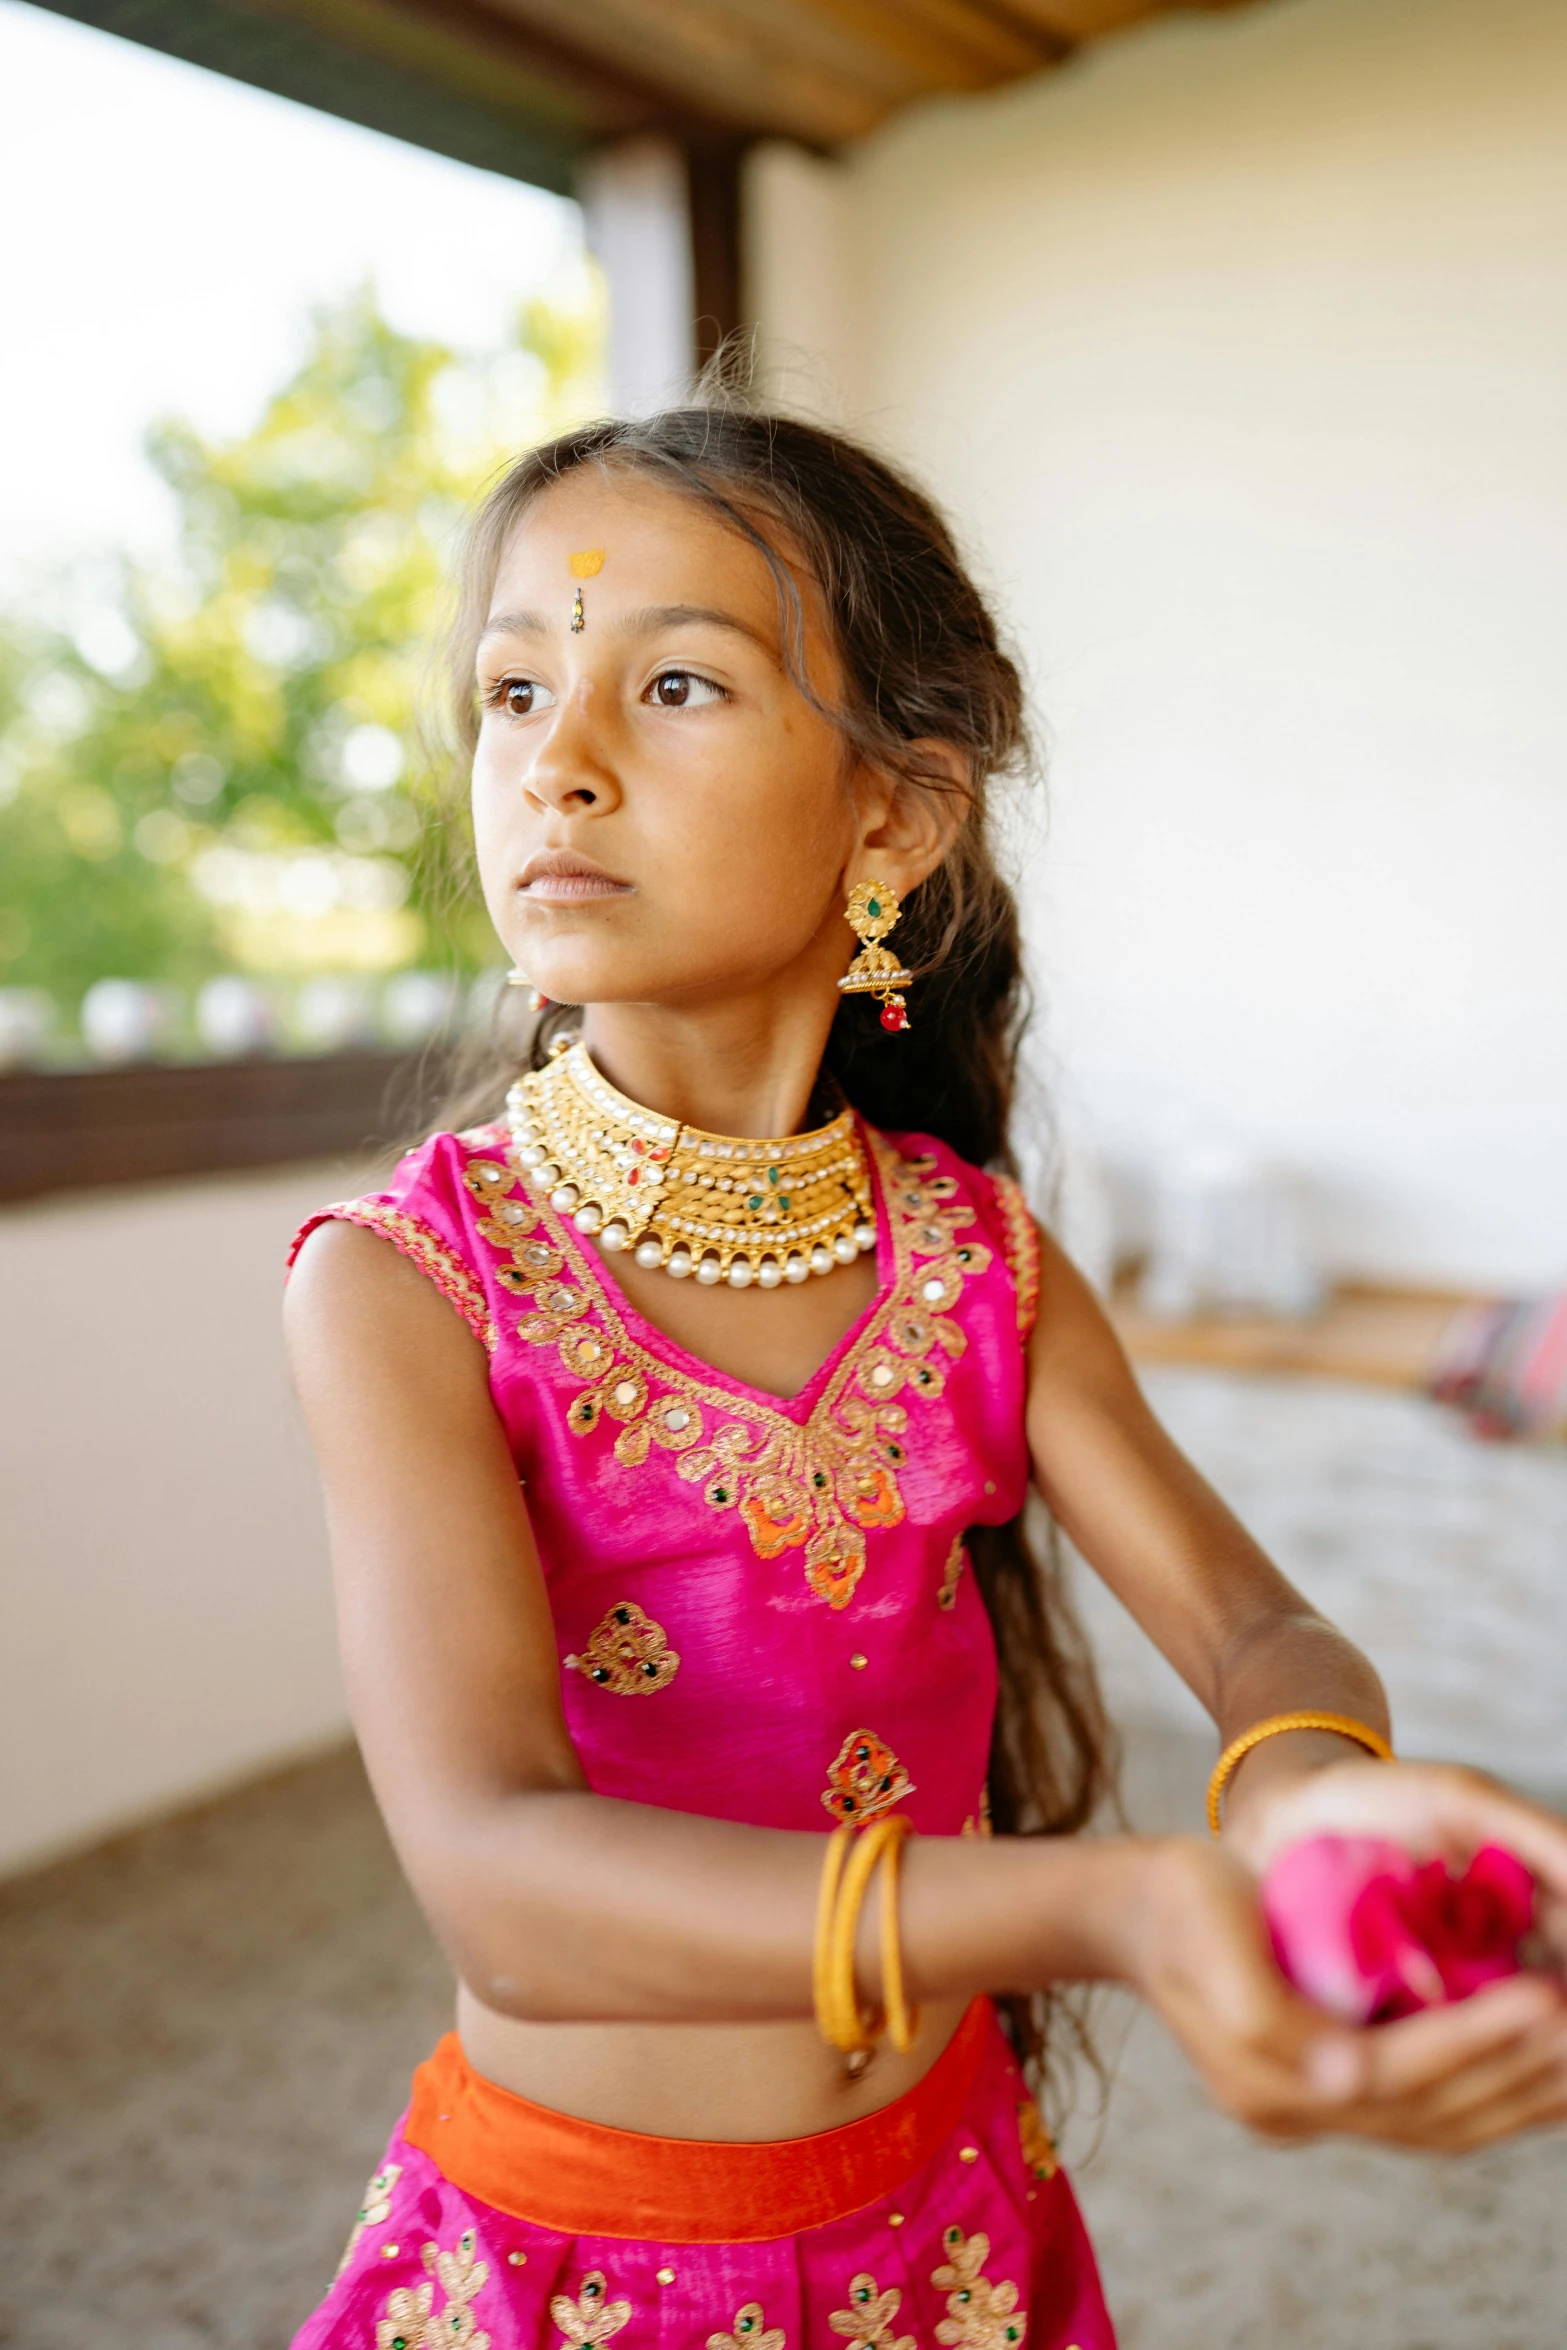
(980, 2315)
(628, 1653)
(590, 2319)
(375, 2210)
(411, 2323)
(865, 1779)
(752, 2332)
(820, 1487)
(868, 2321)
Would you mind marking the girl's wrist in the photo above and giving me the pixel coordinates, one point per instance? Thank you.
(1271, 1771)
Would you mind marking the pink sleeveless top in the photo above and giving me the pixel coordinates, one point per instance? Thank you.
(762, 1607)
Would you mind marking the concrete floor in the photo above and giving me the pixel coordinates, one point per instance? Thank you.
(209, 2025)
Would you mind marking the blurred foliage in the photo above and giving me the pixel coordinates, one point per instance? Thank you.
(210, 762)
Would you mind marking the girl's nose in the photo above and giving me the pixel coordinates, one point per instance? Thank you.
(571, 769)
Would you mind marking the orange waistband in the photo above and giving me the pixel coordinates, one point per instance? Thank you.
(582, 2179)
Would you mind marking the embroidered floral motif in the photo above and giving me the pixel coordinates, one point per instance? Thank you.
(869, 2320)
(1038, 2147)
(411, 2323)
(627, 1653)
(1022, 1249)
(375, 2208)
(980, 2315)
(434, 1258)
(590, 2318)
(865, 1778)
(951, 1575)
(751, 2332)
(820, 1487)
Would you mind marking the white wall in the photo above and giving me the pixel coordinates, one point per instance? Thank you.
(1240, 351)
(165, 1614)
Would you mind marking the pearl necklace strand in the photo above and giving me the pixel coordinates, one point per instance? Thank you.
(716, 1207)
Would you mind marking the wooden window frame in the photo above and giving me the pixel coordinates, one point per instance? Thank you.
(67, 1130)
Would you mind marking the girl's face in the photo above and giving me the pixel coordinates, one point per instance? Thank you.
(661, 817)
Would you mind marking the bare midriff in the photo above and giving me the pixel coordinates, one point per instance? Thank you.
(746, 2082)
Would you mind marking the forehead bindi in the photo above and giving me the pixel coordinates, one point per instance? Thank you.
(658, 549)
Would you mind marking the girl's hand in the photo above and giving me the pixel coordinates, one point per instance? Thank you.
(1437, 1811)
(1447, 2081)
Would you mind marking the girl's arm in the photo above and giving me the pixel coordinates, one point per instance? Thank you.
(556, 1904)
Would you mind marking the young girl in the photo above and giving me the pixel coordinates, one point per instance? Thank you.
(677, 1453)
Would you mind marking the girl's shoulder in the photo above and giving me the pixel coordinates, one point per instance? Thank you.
(428, 1211)
(922, 1172)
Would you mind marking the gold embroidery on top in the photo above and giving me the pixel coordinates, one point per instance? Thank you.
(868, 2324)
(1022, 1249)
(980, 2315)
(1038, 2147)
(820, 1486)
(751, 2332)
(865, 1778)
(410, 2323)
(590, 2318)
(375, 2208)
(627, 1653)
(951, 1573)
(430, 1253)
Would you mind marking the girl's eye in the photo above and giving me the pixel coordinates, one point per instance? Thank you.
(683, 689)
(519, 697)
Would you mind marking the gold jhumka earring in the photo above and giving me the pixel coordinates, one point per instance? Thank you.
(872, 910)
(587, 565)
(538, 1000)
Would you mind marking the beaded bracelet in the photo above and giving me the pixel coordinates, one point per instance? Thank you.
(1342, 1725)
(846, 1876)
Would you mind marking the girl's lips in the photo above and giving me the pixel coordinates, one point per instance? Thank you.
(560, 877)
(569, 889)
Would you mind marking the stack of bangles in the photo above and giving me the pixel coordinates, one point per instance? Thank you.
(851, 1861)
(1341, 1725)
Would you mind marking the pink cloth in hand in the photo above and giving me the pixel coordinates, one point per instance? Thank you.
(1368, 1932)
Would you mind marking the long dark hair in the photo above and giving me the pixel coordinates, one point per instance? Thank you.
(920, 659)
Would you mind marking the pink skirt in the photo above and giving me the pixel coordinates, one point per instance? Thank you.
(496, 2224)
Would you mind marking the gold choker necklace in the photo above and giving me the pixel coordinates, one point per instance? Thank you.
(721, 1206)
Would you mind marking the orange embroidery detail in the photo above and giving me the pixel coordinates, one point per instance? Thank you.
(980, 2315)
(627, 1653)
(864, 1779)
(1038, 2147)
(821, 1486)
(433, 1256)
(1022, 1249)
(868, 2322)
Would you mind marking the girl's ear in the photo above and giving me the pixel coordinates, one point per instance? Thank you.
(907, 828)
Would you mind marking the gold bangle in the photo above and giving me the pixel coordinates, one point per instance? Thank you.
(846, 1879)
(846, 2026)
(1342, 1725)
(903, 2021)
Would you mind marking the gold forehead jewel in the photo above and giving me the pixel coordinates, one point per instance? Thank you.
(587, 565)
